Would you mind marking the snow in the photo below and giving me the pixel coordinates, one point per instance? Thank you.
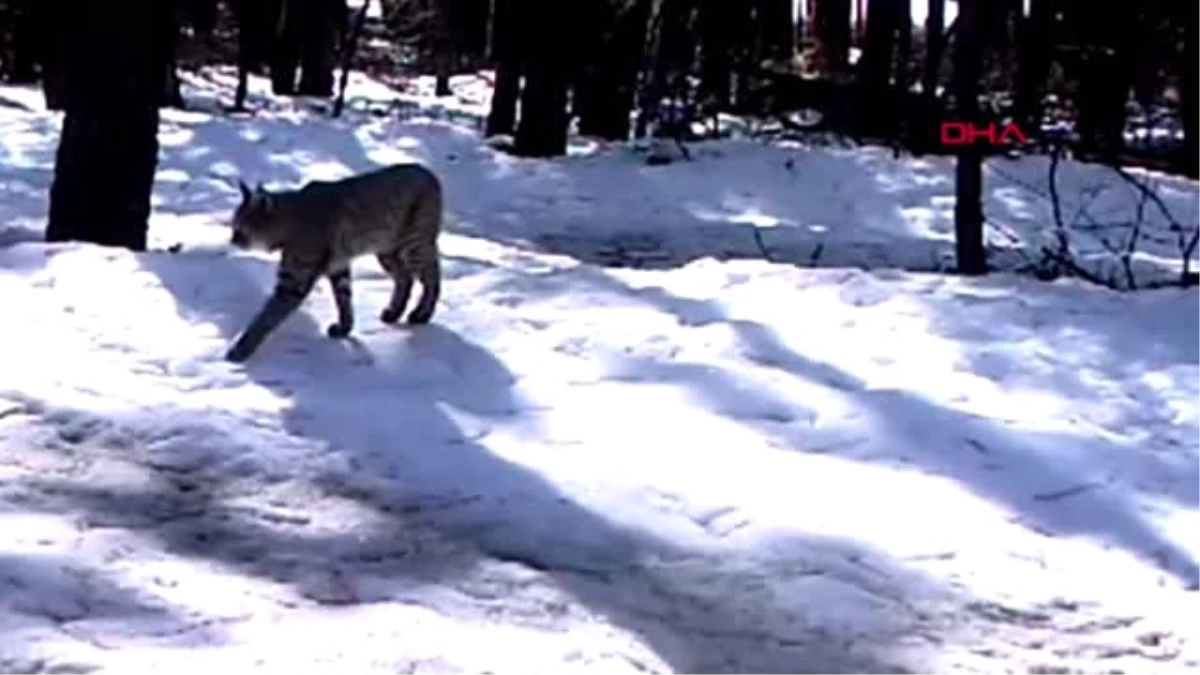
(702, 460)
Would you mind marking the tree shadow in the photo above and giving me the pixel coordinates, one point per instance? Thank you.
(423, 463)
(46, 600)
(1048, 478)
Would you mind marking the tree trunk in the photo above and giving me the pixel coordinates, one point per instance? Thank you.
(27, 37)
(107, 152)
(472, 17)
(442, 43)
(1033, 64)
(172, 87)
(104, 175)
(877, 107)
(799, 27)
(831, 31)
(257, 21)
(1105, 72)
(716, 53)
(904, 39)
(930, 114)
(672, 46)
(285, 53)
(968, 173)
(507, 54)
(606, 82)
(775, 30)
(542, 127)
(1189, 163)
(322, 23)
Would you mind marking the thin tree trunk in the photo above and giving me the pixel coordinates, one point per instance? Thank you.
(286, 47)
(672, 46)
(1033, 64)
(716, 42)
(831, 31)
(27, 42)
(472, 21)
(877, 110)
(968, 173)
(443, 46)
(507, 50)
(349, 47)
(935, 47)
(774, 26)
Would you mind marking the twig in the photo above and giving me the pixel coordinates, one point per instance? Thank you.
(1132, 242)
(1060, 229)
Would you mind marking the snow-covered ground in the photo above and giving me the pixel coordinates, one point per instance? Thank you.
(714, 463)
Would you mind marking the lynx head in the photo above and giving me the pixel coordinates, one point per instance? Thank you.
(255, 221)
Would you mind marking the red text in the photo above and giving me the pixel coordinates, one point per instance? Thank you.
(965, 133)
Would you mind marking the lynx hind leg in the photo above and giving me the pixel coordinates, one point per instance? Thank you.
(343, 298)
(429, 272)
(393, 264)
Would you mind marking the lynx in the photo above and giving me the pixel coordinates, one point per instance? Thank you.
(394, 212)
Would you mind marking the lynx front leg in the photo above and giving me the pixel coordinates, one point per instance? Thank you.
(339, 281)
(290, 290)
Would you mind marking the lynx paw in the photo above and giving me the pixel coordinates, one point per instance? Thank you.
(390, 315)
(238, 353)
(338, 330)
(419, 316)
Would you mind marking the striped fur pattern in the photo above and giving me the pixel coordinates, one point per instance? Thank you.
(394, 213)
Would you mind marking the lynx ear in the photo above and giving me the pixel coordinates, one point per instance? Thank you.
(245, 190)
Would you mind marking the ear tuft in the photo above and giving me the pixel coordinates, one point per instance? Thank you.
(245, 190)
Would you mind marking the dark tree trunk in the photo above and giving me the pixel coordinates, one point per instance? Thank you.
(507, 54)
(968, 174)
(104, 176)
(1105, 74)
(1189, 163)
(606, 82)
(717, 40)
(542, 126)
(831, 30)
(877, 106)
(672, 47)
(904, 40)
(322, 23)
(27, 37)
(935, 47)
(799, 25)
(172, 87)
(348, 48)
(257, 22)
(774, 28)
(1033, 64)
(107, 152)
(471, 20)
(285, 51)
(442, 44)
